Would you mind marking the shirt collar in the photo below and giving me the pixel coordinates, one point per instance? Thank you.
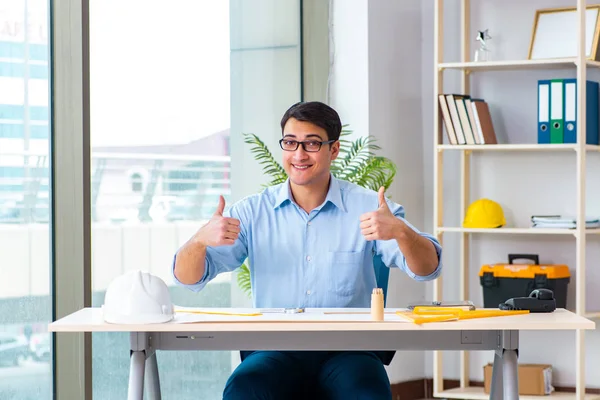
(283, 194)
(334, 194)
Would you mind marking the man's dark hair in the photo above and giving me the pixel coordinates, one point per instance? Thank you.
(316, 113)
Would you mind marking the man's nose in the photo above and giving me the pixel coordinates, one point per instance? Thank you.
(300, 153)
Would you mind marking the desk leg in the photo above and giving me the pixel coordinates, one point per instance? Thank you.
(153, 381)
(496, 390)
(510, 374)
(136, 375)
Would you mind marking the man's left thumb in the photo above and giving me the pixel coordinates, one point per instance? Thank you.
(382, 202)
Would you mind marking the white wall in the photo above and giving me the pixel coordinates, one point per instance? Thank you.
(548, 186)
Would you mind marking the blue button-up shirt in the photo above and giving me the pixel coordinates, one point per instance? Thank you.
(316, 259)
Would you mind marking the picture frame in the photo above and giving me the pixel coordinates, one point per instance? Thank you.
(554, 34)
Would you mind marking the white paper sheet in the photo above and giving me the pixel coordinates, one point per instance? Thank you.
(274, 315)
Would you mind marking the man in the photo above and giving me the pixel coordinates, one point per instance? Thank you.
(310, 243)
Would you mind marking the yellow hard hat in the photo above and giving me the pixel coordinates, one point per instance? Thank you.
(484, 213)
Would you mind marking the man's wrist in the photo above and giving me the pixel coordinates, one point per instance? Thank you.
(404, 234)
(198, 243)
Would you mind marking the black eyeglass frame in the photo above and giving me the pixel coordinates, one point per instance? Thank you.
(304, 144)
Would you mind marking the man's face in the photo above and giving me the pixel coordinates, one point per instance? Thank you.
(304, 167)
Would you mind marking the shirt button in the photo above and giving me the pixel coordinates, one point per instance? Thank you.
(308, 292)
(308, 223)
(307, 258)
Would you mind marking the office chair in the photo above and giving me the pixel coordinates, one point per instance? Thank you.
(382, 275)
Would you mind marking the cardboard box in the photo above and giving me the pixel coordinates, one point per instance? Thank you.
(534, 379)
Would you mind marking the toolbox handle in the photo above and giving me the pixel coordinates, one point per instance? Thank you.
(533, 257)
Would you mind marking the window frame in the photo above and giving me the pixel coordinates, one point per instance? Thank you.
(70, 193)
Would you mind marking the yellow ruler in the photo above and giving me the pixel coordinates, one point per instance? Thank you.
(421, 319)
(422, 315)
(490, 313)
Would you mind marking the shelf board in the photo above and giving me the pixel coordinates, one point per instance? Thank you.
(477, 393)
(594, 64)
(516, 64)
(516, 147)
(519, 231)
(592, 315)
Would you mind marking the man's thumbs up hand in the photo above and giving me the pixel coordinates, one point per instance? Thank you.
(380, 224)
(219, 231)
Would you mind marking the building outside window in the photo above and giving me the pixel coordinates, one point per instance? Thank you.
(25, 303)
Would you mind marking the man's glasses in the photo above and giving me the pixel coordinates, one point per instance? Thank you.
(311, 146)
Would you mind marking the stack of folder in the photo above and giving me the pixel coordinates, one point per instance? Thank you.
(467, 120)
(561, 221)
(557, 111)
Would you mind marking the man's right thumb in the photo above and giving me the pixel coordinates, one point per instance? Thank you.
(221, 206)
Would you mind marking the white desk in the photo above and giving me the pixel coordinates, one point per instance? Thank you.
(314, 330)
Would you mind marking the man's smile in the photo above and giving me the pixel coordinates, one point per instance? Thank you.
(301, 166)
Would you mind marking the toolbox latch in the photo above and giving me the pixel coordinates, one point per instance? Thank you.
(540, 281)
(489, 279)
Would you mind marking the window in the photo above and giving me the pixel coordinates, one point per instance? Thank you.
(25, 304)
(137, 182)
(171, 95)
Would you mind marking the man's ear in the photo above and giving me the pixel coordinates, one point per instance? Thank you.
(335, 150)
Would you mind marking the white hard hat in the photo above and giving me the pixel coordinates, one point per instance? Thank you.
(137, 297)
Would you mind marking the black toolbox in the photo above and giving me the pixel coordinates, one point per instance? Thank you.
(502, 281)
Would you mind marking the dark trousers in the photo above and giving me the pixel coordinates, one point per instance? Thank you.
(299, 375)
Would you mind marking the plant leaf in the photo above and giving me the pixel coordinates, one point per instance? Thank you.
(265, 158)
(243, 279)
(376, 172)
(347, 165)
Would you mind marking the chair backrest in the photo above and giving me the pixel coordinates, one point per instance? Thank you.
(382, 275)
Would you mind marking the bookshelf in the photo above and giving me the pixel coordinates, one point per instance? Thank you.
(467, 68)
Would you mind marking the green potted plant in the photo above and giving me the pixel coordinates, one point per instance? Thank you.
(356, 163)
